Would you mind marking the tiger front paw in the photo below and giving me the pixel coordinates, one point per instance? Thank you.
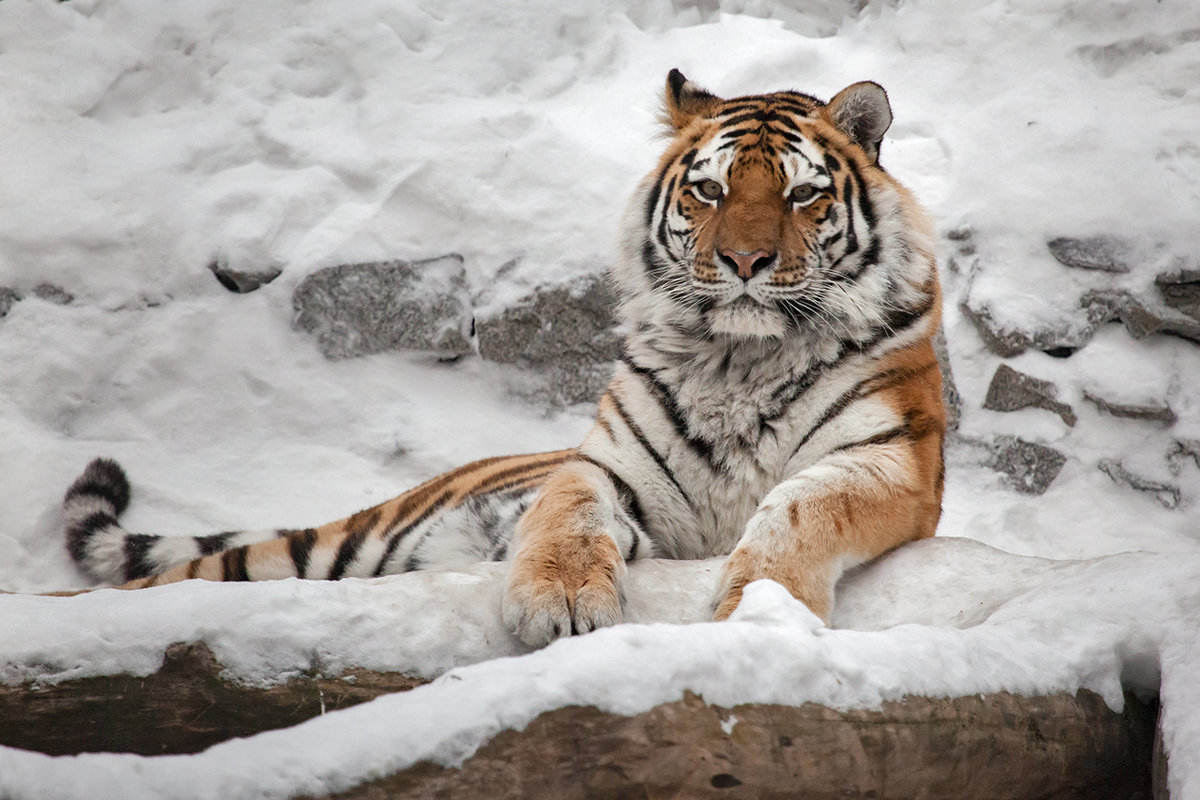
(810, 583)
(568, 586)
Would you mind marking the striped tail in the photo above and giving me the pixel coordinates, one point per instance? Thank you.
(107, 552)
(462, 517)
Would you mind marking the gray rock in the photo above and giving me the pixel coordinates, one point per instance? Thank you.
(1104, 253)
(1159, 412)
(53, 294)
(1181, 291)
(1180, 451)
(357, 309)
(1029, 467)
(1165, 493)
(241, 281)
(1108, 305)
(1060, 340)
(950, 396)
(1011, 391)
(8, 298)
(565, 332)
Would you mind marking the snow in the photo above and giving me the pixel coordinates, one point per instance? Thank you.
(144, 141)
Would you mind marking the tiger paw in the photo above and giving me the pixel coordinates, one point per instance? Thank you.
(562, 587)
(811, 584)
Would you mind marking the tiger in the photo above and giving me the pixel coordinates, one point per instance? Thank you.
(777, 399)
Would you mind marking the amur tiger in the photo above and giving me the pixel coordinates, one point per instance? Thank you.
(777, 400)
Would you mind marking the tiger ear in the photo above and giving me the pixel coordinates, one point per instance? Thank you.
(685, 101)
(862, 112)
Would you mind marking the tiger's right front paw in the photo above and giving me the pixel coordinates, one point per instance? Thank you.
(563, 587)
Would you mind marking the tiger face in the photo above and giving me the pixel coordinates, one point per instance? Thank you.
(765, 210)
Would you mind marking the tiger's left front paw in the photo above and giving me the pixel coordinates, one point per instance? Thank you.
(811, 584)
(564, 587)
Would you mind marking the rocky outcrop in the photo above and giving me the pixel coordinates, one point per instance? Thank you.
(1180, 451)
(8, 298)
(995, 747)
(1156, 412)
(1181, 290)
(1103, 253)
(242, 281)
(1139, 319)
(358, 309)
(950, 394)
(1011, 391)
(1028, 467)
(565, 333)
(1164, 493)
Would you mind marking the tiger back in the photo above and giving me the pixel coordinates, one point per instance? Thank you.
(777, 399)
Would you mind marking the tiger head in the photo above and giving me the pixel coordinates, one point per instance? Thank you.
(769, 216)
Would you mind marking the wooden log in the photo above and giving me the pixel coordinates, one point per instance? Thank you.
(183, 708)
(991, 746)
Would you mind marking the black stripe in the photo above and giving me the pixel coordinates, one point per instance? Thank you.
(662, 222)
(851, 234)
(633, 548)
(233, 564)
(300, 545)
(79, 535)
(137, 552)
(896, 322)
(840, 405)
(790, 392)
(655, 267)
(866, 206)
(625, 492)
(213, 543)
(831, 413)
(886, 437)
(102, 478)
(394, 541)
(640, 436)
(348, 550)
(897, 376)
(94, 488)
(670, 407)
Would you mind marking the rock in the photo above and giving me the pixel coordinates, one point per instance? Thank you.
(1104, 253)
(53, 294)
(8, 298)
(1011, 391)
(950, 396)
(1029, 467)
(1181, 291)
(243, 281)
(998, 747)
(1166, 494)
(357, 309)
(1107, 305)
(1159, 412)
(566, 333)
(1060, 341)
(1180, 451)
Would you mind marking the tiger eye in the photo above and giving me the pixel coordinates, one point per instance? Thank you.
(710, 189)
(804, 193)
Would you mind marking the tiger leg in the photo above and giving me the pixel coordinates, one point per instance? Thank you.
(568, 563)
(846, 509)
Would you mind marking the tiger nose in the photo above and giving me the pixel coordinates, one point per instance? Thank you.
(747, 265)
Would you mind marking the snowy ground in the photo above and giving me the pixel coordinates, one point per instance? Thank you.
(144, 141)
